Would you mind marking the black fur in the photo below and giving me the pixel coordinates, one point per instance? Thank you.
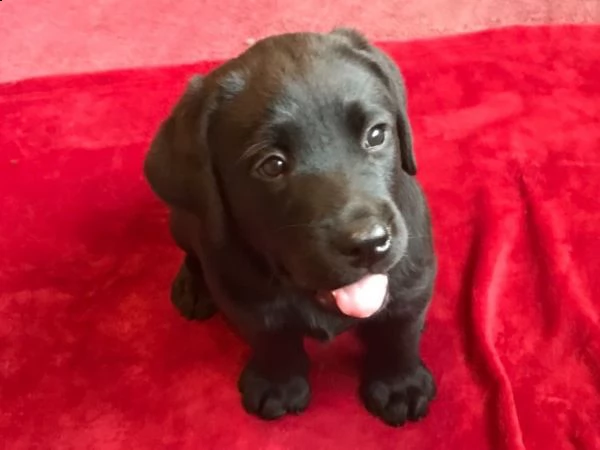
(260, 250)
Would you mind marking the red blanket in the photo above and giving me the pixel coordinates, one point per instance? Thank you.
(93, 355)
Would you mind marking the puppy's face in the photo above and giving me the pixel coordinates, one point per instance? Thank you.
(306, 151)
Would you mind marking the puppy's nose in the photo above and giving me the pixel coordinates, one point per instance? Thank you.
(367, 242)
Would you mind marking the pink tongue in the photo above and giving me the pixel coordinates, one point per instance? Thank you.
(363, 298)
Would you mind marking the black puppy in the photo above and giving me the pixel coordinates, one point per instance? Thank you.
(289, 174)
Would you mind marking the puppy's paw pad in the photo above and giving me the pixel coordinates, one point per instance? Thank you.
(269, 399)
(401, 398)
(191, 303)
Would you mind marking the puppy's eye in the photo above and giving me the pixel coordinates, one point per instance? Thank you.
(375, 136)
(272, 167)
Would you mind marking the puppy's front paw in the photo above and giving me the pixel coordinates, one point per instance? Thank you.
(399, 398)
(270, 399)
(191, 300)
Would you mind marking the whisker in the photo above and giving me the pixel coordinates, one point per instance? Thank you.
(296, 225)
(252, 150)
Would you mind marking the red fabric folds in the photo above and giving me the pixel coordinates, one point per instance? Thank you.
(92, 355)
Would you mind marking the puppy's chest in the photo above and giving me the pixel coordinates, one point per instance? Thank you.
(315, 321)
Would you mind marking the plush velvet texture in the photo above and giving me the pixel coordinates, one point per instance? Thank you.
(93, 355)
(47, 37)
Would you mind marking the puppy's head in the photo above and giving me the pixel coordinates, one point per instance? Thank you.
(297, 145)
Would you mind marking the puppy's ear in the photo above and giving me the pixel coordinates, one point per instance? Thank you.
(386, 68)
(178, 165)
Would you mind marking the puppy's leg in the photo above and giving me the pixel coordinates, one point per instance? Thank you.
(189, 292)
(274, 382)
(396, 386)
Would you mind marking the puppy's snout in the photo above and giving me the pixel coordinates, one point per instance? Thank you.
(365, 241)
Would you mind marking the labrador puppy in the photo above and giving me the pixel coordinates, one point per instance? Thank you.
(289, 174)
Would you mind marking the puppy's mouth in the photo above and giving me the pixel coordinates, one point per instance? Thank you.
(360, 299)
